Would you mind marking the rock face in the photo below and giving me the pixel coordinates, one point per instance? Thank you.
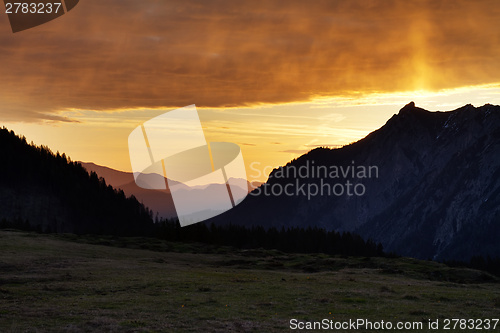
(437, 194)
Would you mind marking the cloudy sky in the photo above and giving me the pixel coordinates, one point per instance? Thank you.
(276, 77)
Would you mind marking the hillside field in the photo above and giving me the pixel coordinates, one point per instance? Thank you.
(67, 283)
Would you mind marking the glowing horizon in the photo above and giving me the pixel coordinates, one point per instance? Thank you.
(334, 122)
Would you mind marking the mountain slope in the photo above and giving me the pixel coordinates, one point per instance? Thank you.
(51, 193)
(437, 193)
(159, 201)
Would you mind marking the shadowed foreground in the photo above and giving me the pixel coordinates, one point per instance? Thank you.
(54, 283)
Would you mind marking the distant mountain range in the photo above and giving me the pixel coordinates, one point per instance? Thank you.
(160, 202)
(433, 192)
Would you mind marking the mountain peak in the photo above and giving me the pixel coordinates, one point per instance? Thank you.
(410, 111)
(410, 105)
(409, 108)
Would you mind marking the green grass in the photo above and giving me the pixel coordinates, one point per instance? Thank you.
(51, 283)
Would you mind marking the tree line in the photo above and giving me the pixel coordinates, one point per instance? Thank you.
(293, 240)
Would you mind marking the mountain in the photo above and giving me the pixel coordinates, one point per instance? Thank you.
(113, 177)
(428, 185)
(48, 192)
(160, 202)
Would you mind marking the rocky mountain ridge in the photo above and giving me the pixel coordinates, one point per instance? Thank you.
(437, 193)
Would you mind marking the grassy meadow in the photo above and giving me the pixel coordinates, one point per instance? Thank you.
(67, 283)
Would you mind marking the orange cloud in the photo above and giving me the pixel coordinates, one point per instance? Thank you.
(117, 54)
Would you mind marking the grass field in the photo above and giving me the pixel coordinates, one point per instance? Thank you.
(51, 283)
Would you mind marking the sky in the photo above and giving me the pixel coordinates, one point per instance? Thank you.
(276, 77)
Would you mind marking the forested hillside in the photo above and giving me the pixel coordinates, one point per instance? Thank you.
(48, 192)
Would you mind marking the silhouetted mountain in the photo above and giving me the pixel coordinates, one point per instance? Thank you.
(159, 201)
(46, 191)
(113, 177)
(437, 194)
